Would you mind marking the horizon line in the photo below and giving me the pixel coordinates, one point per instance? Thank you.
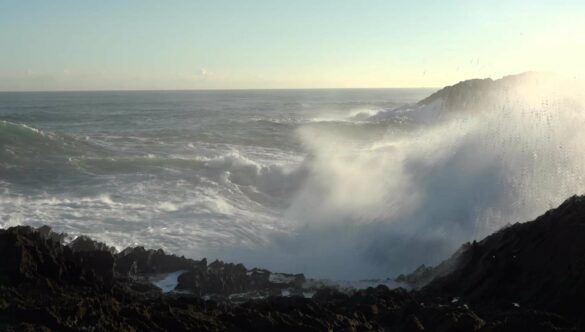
(210, 90)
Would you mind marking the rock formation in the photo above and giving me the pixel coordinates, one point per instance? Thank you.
(527, 277)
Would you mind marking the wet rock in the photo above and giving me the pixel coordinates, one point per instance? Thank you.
(46, 286)
(227, 278)
(83, 243)
(139, 260)
(538, 264)
(46, 232)
(99, 264)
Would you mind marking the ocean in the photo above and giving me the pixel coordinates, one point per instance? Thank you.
(198, 173)
(341, 184)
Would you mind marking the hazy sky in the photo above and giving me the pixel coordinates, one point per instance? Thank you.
(209, 44)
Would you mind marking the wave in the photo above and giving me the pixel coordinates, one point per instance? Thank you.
(409, 198)
(374, 197)
(31, 155)
(271, 185)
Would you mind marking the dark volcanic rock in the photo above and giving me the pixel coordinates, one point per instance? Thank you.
(46, 232)
(26, 254)
(139, 260)
(534, 265)
(217, 278)
(227, 278)
(425, 274)
(84, 243)
(527, 277)
(99, 263)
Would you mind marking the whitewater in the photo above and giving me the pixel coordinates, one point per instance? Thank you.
(342, 184)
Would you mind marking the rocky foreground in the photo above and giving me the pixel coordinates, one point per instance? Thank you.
(526, 277)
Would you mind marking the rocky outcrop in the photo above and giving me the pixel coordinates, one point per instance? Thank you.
(478, 94)
(526, 277)
(45, 286)
(83, 243)
(225, 279)
(538, 265)
(425, 274)
(27, 255)
(138, 260)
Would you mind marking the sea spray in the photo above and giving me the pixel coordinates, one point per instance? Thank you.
(385, 207)
(292, 181)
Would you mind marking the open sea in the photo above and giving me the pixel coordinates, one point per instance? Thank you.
(341, 184)
(199, 173)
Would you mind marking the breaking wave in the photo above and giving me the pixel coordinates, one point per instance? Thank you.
(413, 197)
(29, 155)
(367, 192)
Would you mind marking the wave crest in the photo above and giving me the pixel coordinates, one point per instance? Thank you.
(31, 155)
(413, 197)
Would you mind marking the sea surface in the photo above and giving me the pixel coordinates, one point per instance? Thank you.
(339, 184)
(199, 173)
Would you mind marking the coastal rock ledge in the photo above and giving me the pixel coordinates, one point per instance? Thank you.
(526, 277)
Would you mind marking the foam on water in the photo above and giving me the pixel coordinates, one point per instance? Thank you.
(386, 206)
(167, 282)
(344, 186)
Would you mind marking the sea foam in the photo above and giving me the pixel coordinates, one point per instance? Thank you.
(386, 206)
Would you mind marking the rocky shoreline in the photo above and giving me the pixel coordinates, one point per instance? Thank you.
(526, 277)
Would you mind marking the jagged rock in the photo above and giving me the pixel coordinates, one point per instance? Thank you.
(27, 255)
(99, 263)
(226, 278)
(529, 321)
(46, 232)
(538, 265)
(140, 260)
(425, 274)
(84, 243)
(330, 295)
(526, 277)
(422, 275)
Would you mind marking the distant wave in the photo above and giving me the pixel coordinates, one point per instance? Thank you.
(31, 155)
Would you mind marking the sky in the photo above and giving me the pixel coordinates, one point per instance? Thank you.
(274, 44)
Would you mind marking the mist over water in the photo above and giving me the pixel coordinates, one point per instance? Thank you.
(344, 184)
